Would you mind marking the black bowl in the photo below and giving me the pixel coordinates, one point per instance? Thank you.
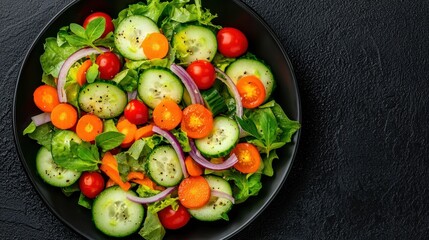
(262, 42)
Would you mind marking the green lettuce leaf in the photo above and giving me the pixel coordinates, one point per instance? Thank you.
(54, 56)
(152, 227)
(244, 186)
(42, 134)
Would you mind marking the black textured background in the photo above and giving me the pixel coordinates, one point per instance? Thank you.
(362, 169)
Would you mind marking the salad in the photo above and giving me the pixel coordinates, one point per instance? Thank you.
(156, 118)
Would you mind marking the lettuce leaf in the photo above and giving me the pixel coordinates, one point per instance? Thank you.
(244, 186)
(259, 123)
(55, 55)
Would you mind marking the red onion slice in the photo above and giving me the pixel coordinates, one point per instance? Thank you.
(79, 54)
(233, 89)
(189, 83)
(175, 144)
(221, 194)
(41, 118)
(132, 95)
(156, 198)
(199, 158)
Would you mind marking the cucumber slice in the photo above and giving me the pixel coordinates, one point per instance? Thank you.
(53, 174)
(114, 214)
(244, 66)
(104, 99)
(194, 42)
(217, 207)
(130, 34)
(156, 84)
(163, 166)
(221, 140)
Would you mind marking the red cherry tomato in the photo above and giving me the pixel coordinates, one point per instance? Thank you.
(136, 112)
(231, 42)
(91, 184)
(109, 25)
(171, 219)
(108, 65)
(203, 73)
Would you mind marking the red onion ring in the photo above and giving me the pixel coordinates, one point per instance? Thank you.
(41, 118)
(132, 95)
(176, 145)
(221, 194)
(189, 83)
(156, 198)
(62, 77)
(199, 158)
(233, 89)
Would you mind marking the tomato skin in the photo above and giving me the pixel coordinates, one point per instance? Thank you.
(109, 25)
(231, 42)
(197, 121)
(136, 112)
(251, 90)
(203, 73)
(248, 156)
(171, 219)
(109, 65)
(91, 184)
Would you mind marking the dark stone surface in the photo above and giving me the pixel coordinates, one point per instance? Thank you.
(362, 170)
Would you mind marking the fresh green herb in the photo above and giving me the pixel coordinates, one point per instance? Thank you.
(84, 201)
(82, 37)
(259, 124)
(92, 73)
(244, 185)
(42, 134)
(109, 140)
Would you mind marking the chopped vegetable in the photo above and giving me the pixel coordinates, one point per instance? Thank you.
(194, 192)
(167, 114)
(46, 98)
(64, 116)
(88, 127)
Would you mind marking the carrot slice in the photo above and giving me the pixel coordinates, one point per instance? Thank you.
(81, 72)
(46, 98)
(128, 129)
(64, 116)
(167, 114)
(88, 127)
(248, 156)
(193, 168)
(109, 166)
(155, 45)
(145, 131)
(194, 192)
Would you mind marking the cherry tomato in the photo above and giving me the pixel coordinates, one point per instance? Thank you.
(248, 156)
(91, 184)
(136, 112)
(108, 65)
(251, 90)
(171, 219)
(109, 25)
(231, 42)
(197, 121)
(203, 73)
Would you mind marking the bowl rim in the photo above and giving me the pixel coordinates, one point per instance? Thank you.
(270, 196)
